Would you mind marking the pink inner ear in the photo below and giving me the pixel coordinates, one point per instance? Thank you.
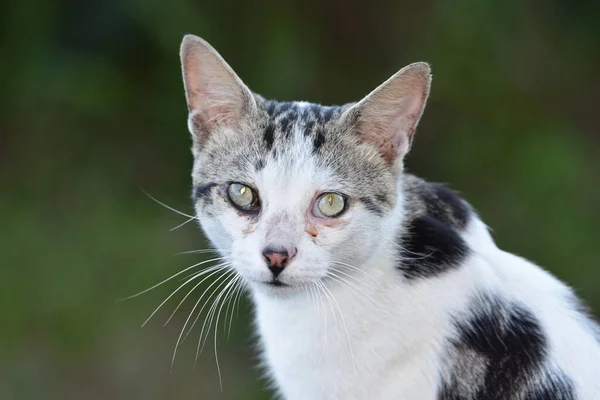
(389, 115)
(214, 93)
(392, 130)
(214, 110)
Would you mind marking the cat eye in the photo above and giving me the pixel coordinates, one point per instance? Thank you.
(242, 197)
(330, 205)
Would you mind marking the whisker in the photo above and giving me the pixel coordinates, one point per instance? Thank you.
(196, 276)
(344, 324)
(238, 291)
(182, 224)
(238, 299)
(209, 318)
(168, 207)
(217, 327)
(355, 268)
(171, 277)
(223, 282)
(306, 288)
(217, 268)
(199, 251)
(318, 292)
(190, 315)
(354, 278)
(421, 255)
(351, 286)
(229, 297)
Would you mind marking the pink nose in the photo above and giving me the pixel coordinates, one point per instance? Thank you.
(278, 258)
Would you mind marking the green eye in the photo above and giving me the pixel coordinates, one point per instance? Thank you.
(331, 204)
(242, 196)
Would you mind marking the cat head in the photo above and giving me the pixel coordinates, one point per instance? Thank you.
(291, 191)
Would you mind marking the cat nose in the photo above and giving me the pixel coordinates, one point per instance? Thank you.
(278, 258)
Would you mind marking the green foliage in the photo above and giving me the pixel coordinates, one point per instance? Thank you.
(92, 111)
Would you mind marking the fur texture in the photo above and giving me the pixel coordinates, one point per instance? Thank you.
(404, 295)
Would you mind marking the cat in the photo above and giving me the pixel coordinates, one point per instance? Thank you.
(369, 282)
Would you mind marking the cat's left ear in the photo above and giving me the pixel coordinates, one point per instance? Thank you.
(389, 115)
(215, 94)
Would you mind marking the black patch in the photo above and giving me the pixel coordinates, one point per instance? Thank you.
(445, 205)
(501, 347)
(437, 201)
(429, 247)
(260, 164)
(450, 201)
(382, 198)
(557, 387)
(269, 136)
(286, 123)
(371, 206)
(318, 141)
(308, 127)
(202, 191)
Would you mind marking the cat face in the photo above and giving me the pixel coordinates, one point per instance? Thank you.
(293, 192)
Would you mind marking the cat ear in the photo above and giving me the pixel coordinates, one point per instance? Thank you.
(215, 94)
(389, 115)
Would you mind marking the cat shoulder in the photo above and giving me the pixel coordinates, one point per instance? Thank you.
(431, 240)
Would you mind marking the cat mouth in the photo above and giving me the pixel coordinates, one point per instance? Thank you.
(276, 283)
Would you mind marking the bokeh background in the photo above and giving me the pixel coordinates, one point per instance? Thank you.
(93, 114)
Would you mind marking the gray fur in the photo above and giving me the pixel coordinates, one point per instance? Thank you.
(265, 135)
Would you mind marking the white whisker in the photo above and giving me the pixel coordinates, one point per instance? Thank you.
(169, 207)
(350, 285)
(199, 251)
(421, 256)
(196, 276)
(344, 325)
(209, 318)
(171, 277)
(182, 224)
(217, 268)
(217, 289)
(356, 269)
(238, 291)
(321, 300)
(234, 281)
(191, 313)
(223, 282)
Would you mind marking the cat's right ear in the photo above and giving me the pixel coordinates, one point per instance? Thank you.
(388, 116)
(215, 95)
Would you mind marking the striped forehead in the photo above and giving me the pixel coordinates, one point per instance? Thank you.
(294, 135)
(289, 120)
(303, 110)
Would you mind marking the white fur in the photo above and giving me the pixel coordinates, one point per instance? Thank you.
(396, 341)
(377, 336)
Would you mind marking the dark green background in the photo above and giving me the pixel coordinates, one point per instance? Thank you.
(92, 112)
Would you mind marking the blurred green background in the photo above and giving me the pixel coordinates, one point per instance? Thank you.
(93, 112)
